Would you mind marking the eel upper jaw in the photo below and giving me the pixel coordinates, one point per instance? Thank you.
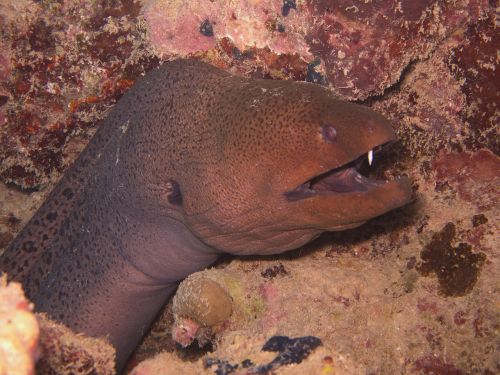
(342, 180)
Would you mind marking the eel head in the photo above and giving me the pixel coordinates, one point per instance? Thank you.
(291, 161)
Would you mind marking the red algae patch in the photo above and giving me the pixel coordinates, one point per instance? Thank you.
(64, 64)
(476, 176)
(432, 365)
(475, 64)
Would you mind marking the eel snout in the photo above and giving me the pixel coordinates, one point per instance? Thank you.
(348, 195)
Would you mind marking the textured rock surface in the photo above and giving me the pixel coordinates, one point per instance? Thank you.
(243, 355)
(29, 342)
(377, 296)
(64, 352)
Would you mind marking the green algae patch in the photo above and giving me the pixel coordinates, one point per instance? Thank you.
(251, 305)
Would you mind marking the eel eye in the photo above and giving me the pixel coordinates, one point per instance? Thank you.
(329, 133)
(174, 193)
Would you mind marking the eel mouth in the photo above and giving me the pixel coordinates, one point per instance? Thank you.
(353, 177)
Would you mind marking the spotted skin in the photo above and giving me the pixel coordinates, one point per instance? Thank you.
(192, 162)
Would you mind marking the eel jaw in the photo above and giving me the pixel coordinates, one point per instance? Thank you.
(345, 179)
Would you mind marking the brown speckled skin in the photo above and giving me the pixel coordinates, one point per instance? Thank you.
(112, 241)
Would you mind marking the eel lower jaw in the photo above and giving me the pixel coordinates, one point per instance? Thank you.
(348, 178)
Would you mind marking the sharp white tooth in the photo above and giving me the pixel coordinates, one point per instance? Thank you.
(370, 157)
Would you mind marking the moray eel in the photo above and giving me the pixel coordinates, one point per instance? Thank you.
(193, 162)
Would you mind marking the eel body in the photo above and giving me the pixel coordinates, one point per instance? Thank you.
(190, 163)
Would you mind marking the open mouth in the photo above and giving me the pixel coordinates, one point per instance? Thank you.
(348, 178)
